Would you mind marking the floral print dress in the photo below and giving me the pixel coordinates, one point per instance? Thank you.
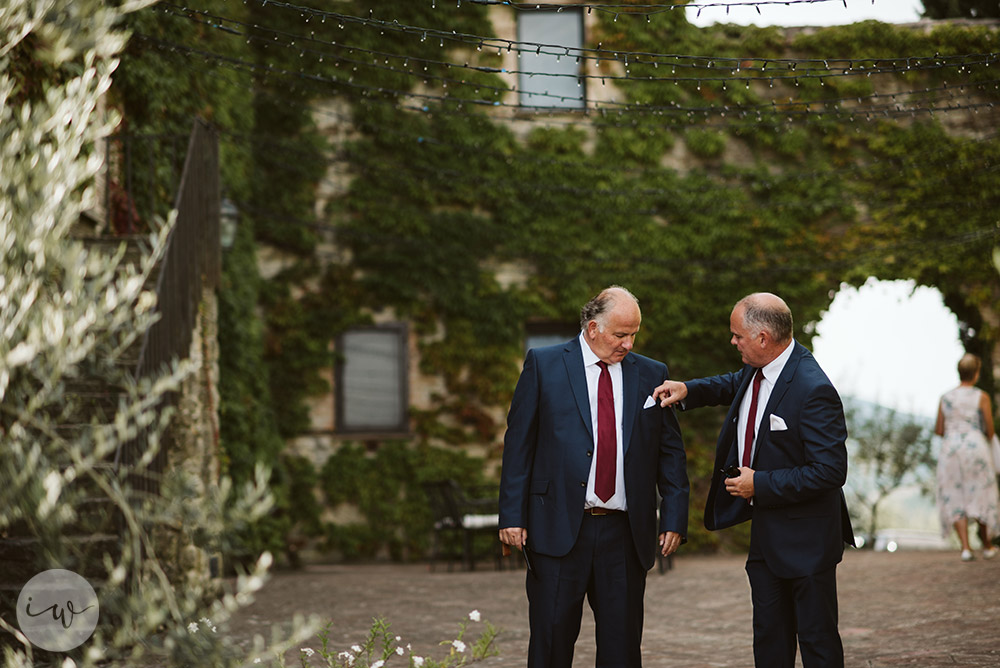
(966, 482)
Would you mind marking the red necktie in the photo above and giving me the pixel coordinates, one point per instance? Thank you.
(607, 438)
(751, 418)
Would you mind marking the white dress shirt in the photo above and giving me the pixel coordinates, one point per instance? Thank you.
(771, 373)
(590, 360)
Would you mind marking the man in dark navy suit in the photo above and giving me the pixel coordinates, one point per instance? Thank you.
(781, 460)
(586, 450)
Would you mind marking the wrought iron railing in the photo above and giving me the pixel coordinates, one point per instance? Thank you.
(190, 264)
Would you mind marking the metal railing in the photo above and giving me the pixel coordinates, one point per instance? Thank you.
(191, 263)
(140, 180)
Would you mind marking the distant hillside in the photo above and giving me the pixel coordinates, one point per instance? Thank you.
(907, 516)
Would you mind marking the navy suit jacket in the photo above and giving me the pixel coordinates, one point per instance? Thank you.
(549, 446)
(800, 518)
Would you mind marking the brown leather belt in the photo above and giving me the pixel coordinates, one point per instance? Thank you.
(601, 511)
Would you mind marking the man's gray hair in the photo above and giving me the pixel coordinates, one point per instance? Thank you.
(605, 302)
(763, 312)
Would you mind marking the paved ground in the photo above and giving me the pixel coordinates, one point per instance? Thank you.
(917, 608)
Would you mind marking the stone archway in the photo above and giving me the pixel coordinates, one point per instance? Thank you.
(890, 342)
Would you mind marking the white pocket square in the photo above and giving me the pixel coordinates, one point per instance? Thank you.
(777, 424)
(649, 402)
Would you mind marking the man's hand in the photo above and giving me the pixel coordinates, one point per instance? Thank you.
(514, 536)
(743, 485)
(669, 542)
(670, 392)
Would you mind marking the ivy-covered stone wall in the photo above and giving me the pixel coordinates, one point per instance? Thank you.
(384, 170)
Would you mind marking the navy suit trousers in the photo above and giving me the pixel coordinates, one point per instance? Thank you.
(604, 567)
(788, 608)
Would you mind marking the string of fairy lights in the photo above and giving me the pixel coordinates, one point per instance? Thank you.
(739, 67)
(932, 99)
(785, 90)
(643, 10)
(793, 106)
(926, 101)
(930, 159)
(593, 170)
(742, 69)
(384, 130)
(636, 8)
(362, 122)
(736, 64)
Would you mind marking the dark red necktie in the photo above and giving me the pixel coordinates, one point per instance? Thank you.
(607, 438)
(751, 418)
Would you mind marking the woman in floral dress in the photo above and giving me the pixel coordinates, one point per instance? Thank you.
(967, 486)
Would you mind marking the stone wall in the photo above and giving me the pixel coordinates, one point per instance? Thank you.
(193, 445)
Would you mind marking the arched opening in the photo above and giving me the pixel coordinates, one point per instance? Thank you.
(892, 343)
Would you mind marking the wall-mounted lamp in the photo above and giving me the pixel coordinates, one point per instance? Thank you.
(229, 219)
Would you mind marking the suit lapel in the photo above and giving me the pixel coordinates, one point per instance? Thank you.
(781, 386)
(733, 420)
(573, 358)
(630, 397)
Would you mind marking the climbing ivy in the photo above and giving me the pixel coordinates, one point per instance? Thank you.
(690, 210)
(387, 489)
(446, 192)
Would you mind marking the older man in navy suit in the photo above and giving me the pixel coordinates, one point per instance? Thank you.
(781, 460)
(587, 447)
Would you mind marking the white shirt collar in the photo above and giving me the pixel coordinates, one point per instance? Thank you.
(589, 357)
(773, 370)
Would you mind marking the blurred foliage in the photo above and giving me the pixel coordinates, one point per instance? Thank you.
(961, 9)
(386, 486)
(890, 449)
(70, 409)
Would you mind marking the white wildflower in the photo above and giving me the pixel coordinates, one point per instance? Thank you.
(193, 627)
(475, 616)
(356, 649)
(378, 664)
(307, 651)
(418, 661)
(399, 651)
(257, 660)
(458, 645)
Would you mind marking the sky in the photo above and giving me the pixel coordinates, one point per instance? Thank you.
(888, 342)
(892, 343)
(813, 13)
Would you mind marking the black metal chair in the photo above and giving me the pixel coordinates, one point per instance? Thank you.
(458, 520)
